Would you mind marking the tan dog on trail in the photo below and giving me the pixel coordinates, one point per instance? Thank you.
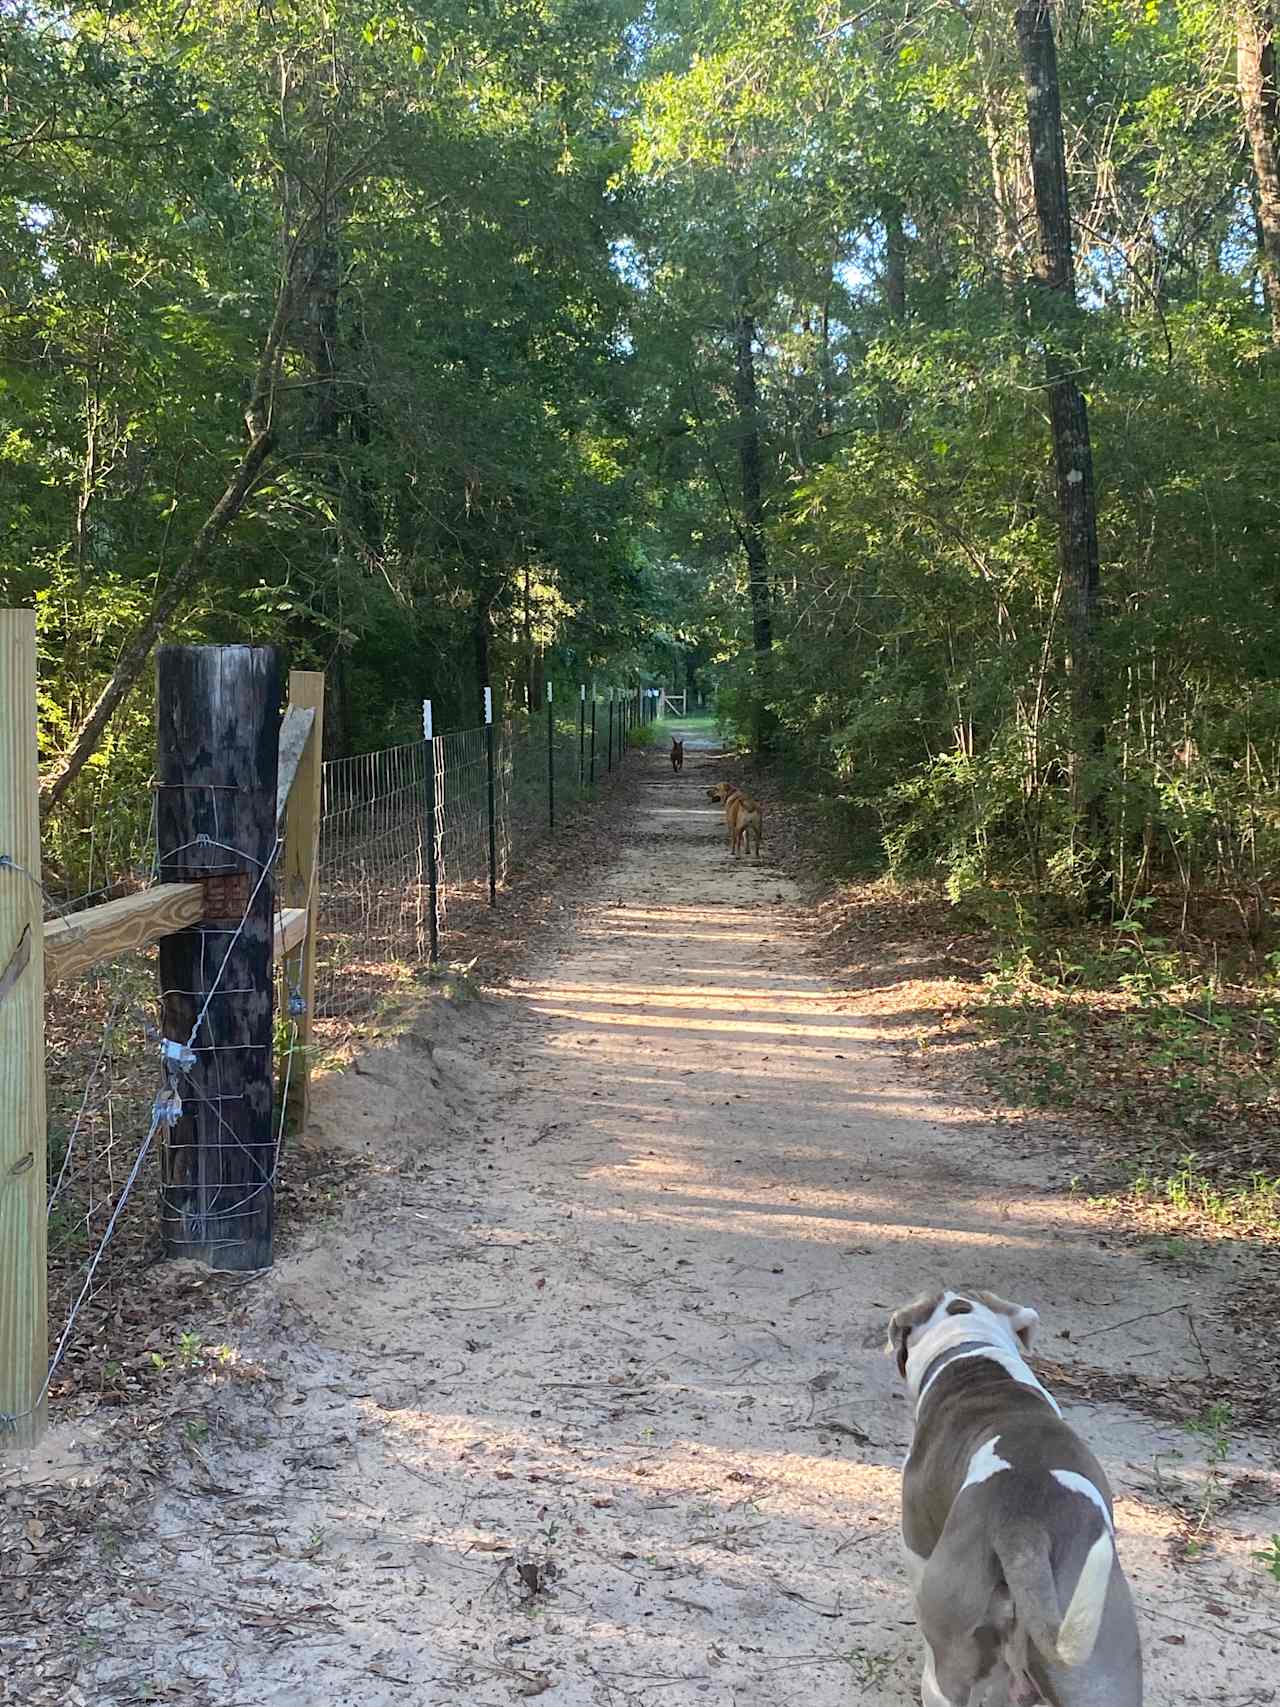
(743, 816)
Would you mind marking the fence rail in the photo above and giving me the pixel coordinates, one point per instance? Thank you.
(354, 892)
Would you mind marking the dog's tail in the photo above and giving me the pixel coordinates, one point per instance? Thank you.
(1069, 1636)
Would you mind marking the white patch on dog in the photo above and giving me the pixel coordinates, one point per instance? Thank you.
(930, 1694)
(1078, 1484)
(1079, 1628)
(1010, 1361)
(985, 1463)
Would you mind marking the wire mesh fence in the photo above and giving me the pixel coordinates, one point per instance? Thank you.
(371, 877)
(462, 814)
(107, 1083)
(101, 1033)
(373, 897)
(118, 1071)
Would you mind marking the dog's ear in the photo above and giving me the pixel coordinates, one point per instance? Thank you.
(901, 1324)
(1022, 1318)
(899, 1333)
(1025, 1323)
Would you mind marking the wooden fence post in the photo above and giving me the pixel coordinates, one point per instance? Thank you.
(24, 1328)
(301, 856)
(218, 730)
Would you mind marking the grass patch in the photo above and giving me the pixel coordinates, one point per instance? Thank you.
(1192, 1190)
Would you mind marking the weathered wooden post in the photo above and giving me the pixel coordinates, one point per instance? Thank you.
(218, 723)
(24, 1328)
(593, 735)
(609, 766)
(301, 856)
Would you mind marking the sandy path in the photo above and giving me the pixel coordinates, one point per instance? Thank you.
(584, 1399)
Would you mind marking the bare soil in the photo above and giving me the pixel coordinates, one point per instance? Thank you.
(581, 1395)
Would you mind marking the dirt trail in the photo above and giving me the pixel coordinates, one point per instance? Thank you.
(584, 1398)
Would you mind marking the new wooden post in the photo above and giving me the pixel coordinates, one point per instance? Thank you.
(24, 1329)
(218, 728)
(298, 881)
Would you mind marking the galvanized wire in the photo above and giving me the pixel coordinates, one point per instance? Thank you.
(372, 912)
(93, 1190)
(371, 887)
(371, 879)
(462, 814)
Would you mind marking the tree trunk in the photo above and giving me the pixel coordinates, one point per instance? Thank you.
(258, 417)
(750, 463)
(481, 618)
(827, 417)
(1068, 411)
(337, 706)
(322, 288)
(893, 280)
(1256, 77)
(895, 265)
(137, 650)
(529, 701)
(893, 284)
(1003, 190)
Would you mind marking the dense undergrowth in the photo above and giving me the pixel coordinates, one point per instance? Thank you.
(1172, 1057)
(1156, 1034)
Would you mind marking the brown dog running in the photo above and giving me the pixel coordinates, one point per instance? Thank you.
(677, 755)
(743, 816)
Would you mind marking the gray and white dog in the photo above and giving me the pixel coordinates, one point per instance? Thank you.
(1006, 1521)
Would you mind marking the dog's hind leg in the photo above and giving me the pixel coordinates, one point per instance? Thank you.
(954, 1688)
(930, 1694)
(962, 1615)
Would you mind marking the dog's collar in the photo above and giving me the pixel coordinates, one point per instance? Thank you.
(1009, 1361)
(966, 1348)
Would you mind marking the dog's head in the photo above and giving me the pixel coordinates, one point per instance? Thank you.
(677, 747)
(920, 1331)
(719, 791)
